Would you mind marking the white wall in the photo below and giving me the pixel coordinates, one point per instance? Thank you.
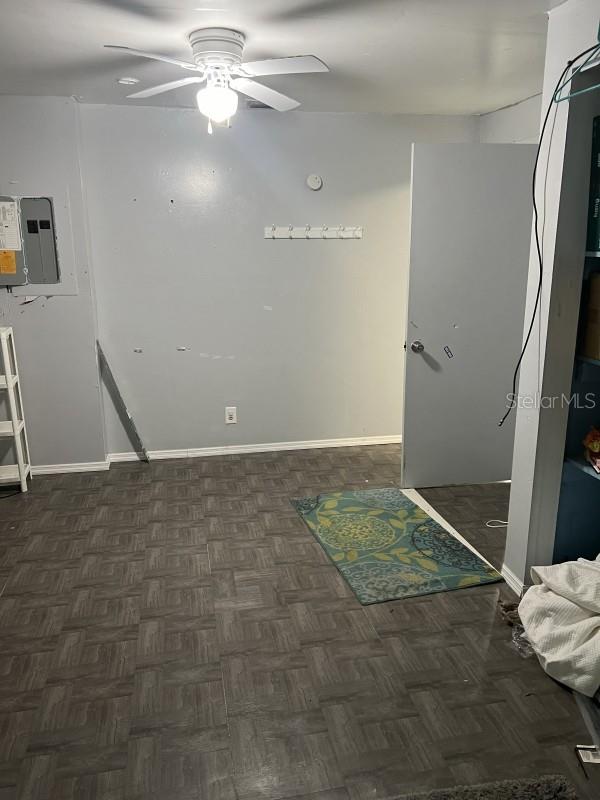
(55, 337)
(573, 27)
(305, 338)
(518, 123)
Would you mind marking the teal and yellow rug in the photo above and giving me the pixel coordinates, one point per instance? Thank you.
(387, 548)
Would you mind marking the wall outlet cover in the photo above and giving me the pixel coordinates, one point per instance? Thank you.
(230, 415)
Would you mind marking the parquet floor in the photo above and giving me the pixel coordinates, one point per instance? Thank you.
(173, 631)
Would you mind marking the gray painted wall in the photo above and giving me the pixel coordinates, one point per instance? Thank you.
(54, 337)
(305, 338)
(519, 123)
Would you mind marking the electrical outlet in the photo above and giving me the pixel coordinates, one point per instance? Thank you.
(230, 415)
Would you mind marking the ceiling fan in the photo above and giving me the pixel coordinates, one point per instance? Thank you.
(217, 54)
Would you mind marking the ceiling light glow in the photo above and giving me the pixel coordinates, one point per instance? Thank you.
(218, 103)
(128, 81)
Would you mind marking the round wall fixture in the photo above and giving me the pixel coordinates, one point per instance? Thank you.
(314, 182)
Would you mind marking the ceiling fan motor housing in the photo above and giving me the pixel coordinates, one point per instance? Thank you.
(217, 46)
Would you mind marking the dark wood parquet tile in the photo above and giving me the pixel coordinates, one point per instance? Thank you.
(468, 508)
(174, 631)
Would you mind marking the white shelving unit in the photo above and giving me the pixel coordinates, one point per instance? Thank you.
(14, 427)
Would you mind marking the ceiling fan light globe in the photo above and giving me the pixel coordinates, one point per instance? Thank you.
(218, 103)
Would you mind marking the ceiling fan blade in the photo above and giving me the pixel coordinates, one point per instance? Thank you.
(156, 57)
(164, 87)
(264, 95)
(285, 66)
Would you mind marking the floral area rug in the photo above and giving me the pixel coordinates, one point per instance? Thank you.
(387, 548)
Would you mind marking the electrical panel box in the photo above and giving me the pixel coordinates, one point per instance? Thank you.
(39, 240)
(12, 263)
(37, 260)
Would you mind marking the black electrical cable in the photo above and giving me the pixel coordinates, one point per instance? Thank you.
(536, 229)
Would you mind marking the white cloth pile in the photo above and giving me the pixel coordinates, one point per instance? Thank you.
(561, 617)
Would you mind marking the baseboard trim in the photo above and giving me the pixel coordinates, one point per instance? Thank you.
(267, 447)
(56, 469)
(511, 579)
(203, 452)
(115, 458)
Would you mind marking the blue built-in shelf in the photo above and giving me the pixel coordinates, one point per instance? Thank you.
(577, 531)
(577, 528)
(582, 464)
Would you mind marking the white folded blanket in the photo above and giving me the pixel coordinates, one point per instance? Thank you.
(561, 616)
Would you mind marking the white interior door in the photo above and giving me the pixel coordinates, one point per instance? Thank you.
(471, 218)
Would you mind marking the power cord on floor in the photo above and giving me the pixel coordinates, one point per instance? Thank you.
(496, 523)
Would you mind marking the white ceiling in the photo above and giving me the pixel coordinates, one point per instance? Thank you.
(407, 56)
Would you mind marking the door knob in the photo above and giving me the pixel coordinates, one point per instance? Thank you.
(417, 347)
